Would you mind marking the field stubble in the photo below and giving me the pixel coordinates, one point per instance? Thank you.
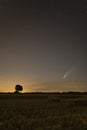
(43, 112)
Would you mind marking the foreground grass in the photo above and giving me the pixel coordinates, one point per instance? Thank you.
(43, 112)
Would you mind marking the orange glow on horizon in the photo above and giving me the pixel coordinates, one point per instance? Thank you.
(46, 86)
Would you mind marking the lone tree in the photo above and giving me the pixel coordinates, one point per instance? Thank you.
(18, 88)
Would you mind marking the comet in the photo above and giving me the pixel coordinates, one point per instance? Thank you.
(67, 74)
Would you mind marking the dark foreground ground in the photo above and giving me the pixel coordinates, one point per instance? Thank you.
(43, 111)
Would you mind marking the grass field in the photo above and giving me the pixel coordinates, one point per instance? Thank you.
(43, 111)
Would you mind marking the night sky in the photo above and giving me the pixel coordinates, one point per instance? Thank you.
(43, 45)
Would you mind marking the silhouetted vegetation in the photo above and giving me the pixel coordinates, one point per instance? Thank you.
(18, 88)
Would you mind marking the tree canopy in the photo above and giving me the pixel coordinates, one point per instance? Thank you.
(18, 88)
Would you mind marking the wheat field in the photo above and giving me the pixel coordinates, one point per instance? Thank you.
(43, 111)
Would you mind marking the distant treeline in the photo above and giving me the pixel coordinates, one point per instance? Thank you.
(70, 92)
(42, 95)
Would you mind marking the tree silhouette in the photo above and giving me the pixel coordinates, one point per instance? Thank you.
(18, 88)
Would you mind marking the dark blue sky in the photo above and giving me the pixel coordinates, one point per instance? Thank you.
(43, 45)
